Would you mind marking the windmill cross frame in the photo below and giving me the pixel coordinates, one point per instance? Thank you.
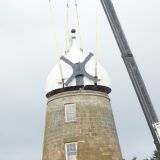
(79, 71)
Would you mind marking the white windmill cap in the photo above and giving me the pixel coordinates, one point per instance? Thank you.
(63, 71)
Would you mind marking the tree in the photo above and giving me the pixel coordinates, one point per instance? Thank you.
(156, 156)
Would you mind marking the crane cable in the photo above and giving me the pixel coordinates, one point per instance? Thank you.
(97, 39)
(56, 44)
(67, 28)
(57, 50)
(78, 25)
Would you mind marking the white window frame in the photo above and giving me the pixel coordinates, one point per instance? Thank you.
(71, 157)
(70, 112)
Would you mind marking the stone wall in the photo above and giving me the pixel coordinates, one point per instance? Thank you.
(94, 129)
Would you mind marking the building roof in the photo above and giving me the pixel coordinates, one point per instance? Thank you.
(63, 70)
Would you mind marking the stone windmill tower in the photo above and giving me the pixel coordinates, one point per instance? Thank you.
(79, 120)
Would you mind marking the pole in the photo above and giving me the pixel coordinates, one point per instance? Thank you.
(132, 69)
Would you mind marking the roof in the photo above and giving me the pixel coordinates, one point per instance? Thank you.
(63, 70)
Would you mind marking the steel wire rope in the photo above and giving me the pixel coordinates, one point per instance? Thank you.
(67, 28)
(78, 26)
(97, 39)
(57, 50)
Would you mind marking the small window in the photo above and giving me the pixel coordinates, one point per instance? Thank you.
(70, 112)
(71, 151)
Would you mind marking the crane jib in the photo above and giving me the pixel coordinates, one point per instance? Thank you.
(133, 72)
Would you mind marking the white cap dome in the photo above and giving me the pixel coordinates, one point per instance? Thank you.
(64, 71)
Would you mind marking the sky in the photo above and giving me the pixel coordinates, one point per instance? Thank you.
(28, 53)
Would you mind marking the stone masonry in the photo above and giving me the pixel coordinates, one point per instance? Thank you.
(94, 129)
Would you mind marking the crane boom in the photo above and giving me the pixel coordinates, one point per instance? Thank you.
(133, 71)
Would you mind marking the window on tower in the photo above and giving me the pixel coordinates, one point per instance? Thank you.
(71, 151)
(70, 112)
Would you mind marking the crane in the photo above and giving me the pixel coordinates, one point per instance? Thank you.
(133, 71)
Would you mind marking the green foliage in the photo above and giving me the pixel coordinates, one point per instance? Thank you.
(156, 156)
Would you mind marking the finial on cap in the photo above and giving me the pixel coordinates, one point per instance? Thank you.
(73, 31)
